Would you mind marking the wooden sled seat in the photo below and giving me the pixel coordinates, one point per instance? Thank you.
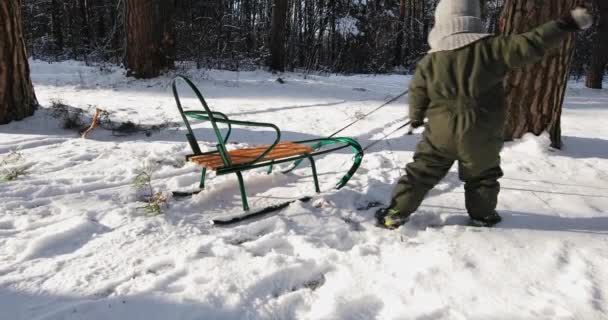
(243, 156)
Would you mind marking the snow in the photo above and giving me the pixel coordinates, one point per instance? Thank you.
(74, 243)
(347, 26)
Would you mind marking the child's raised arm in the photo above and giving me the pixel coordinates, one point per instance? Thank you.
(518, 50)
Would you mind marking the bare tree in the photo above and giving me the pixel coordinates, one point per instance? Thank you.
(17, 98)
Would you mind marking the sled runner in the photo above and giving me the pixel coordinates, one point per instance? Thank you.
(223, 161)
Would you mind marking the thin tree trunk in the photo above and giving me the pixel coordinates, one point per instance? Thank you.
(332, 35)
(301, 30)
(317, 52)
(57, 24)
(248, 26)
(599, 58)
(117, 34)
(73, 30)
(100, 12)
(277, 35)
(400, 34)
(150, 38)
(85, 32)
(535, 94)
(17, 98)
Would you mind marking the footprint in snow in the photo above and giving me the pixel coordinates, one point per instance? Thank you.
(160, 266)
(577, 277)
(254, 231)
(306, 275)
(205, 250)
(420, 222)
(165, 274)
(265, 245)
(7, 225)
(63, 238)
(366, 307)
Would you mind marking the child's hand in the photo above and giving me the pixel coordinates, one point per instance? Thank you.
(578, 19)
(583, 19)
(416, 124)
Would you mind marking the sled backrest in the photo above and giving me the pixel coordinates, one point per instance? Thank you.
(216, 117)
(206, 114)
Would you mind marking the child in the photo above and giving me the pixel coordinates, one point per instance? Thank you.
(458, 86)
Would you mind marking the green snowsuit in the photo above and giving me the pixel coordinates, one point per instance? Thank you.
(461, 93)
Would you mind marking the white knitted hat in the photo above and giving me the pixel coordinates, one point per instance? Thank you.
(457, 24)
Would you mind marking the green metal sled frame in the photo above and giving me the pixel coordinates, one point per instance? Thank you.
(219, 118)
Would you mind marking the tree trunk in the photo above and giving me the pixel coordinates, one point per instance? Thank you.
(100, 11)
(248, 26)
(599, 57)
(400, 34)
(535, 94)
(84, 16)
(56, 25)
(17, 98)
(277, 35)
(117, 35)
(150, 39)
(73, 30)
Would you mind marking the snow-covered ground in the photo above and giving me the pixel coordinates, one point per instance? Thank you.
(74, 243)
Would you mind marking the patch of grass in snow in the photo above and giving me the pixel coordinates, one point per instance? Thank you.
(129, 127)
(72, 118)
(315, 283)
(11, 166)
(154, 199)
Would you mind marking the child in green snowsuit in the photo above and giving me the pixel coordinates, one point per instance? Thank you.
(458, 86)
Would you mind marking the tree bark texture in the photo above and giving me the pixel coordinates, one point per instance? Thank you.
(17, 98)
(599, 57)
(535, 94)
(277, 35)
(150, 37)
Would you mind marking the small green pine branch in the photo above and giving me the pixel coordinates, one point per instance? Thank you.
(154, 199)
(11, 166)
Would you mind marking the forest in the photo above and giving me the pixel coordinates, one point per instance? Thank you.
(335, 36)
(149, 37)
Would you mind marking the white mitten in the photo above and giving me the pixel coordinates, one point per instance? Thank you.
(582, 18)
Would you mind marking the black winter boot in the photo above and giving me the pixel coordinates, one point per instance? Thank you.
(487, 221)
(390, 218)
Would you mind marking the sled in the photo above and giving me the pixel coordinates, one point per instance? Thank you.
(223, 161)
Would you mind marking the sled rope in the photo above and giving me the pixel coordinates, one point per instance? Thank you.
(317, 146)
(370, 113)
(388, 135)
